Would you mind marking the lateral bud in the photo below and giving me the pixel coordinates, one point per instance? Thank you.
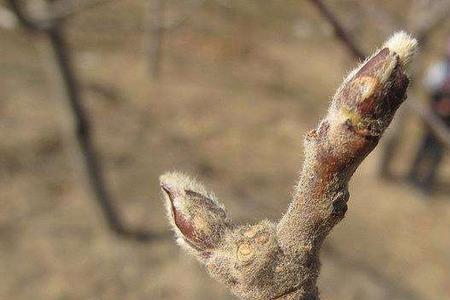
(198, 219)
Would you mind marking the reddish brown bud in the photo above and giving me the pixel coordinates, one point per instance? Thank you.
(198, 219)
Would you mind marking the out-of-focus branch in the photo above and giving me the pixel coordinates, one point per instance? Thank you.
(440, 129)
(68, 83)
(339, 30)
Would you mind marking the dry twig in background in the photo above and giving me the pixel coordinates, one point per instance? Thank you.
(61, 62)
(339, 30)
(281, 260)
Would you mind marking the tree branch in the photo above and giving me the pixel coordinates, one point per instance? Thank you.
(440, 129)
(66, 78)
(281, 260)
(431, 17)
(339, 30)
(359, 113)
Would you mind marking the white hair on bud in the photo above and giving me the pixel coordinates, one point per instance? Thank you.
(404, 45)
(178, 183)
(181, 182)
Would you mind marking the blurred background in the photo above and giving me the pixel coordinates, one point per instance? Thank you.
(224, 90)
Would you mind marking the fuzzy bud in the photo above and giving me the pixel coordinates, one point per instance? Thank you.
(371, 94)
(198, 219)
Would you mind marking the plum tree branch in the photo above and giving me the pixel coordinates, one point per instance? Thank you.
(271, 260)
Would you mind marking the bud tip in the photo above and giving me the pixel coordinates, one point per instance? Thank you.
(404, 45)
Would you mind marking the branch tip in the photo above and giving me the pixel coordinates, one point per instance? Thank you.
(404, 45)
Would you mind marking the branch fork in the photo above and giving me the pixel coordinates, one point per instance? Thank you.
(280, 260)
